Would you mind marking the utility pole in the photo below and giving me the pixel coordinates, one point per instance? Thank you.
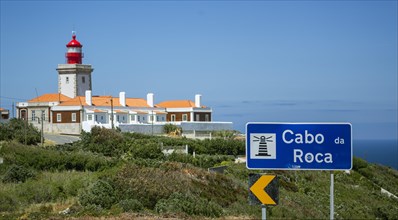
(42, 129)
(26, 123)
(112, 112)
(13, 110)
(152, 117)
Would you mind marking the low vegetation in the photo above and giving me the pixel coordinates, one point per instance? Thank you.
(123, 175)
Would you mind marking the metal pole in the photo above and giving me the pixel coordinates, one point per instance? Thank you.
(26, 122)
(112, 112)
(42, 135)
(263, 212)
(331, 195)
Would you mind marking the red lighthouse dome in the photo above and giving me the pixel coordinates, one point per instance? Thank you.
(74, 52)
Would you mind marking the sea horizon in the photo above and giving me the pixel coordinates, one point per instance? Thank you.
(379, 151)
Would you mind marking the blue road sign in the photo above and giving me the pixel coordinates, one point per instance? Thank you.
(299, 146)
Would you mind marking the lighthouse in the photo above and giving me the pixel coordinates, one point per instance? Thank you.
(74, 77)
(74, 53)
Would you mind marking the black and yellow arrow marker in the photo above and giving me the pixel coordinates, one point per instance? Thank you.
(263, 189)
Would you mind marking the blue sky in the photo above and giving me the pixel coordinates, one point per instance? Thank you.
(295, 61)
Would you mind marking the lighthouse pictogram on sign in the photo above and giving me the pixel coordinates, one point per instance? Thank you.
(263, 146)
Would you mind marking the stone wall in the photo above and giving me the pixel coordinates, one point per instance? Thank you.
(187, 127)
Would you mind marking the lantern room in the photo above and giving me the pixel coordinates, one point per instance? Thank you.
(74, 53)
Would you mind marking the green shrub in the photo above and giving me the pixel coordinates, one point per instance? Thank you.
(145, 151)
(358, 163)
(289, 186)
(238, 171)
(20, 130)
(203, 160)
(33, 191)
(170, 128)
(17, 174)
(108, 142)
(131, 205)
(46, 159)
(219, 146)
(225, 134)
(189, 204)
(8, 202)
(100, 193)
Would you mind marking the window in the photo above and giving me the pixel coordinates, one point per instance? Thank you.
(96, 117)
(83, 79)
(143, 118)
(73, 116)
(184, 117)
(139, 118)
(67, 80)
(33, 115)
(23, 114)
(151, 118)
(117, 118)
(207, 118)
(132, 117)
(197, 117)
(89, 117)
(58, 117)
(162, 118)
(43, 115)
(173, 117)
(123, 118)
(157, 118)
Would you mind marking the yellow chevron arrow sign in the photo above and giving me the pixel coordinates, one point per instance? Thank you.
(259, 190)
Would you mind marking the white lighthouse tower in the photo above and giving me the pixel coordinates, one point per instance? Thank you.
(74, 78)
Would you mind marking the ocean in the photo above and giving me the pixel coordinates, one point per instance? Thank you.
(383, 152)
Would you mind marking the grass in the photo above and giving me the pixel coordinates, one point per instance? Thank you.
(174, 186)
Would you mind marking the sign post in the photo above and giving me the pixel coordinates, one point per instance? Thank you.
(331, 195)
(263, 190)
(300, 146)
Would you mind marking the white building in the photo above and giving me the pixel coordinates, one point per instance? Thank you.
(74, 108)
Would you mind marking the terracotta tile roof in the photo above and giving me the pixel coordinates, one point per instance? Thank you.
(77, 101)
(105, 101)
(176, 104)
(121, 112)
(99, 111)
(141, 112)
(160, 113)
(54, 97)
(132, 102)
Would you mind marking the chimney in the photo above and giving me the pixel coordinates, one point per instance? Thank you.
(122, 99)
(198, 97)
(149, 99)
(88, 97)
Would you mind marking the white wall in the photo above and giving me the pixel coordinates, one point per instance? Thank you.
(66, 128)
(121, 118)
(82, 87)
(101, 118)
(65, 88)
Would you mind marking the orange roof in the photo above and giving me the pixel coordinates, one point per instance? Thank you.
(121, 111)
(177, 104)
(141, 112)
(160, 113)
(77, 101)
(133, 102)
(105, 101)
(54, 97)
(99, 111)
